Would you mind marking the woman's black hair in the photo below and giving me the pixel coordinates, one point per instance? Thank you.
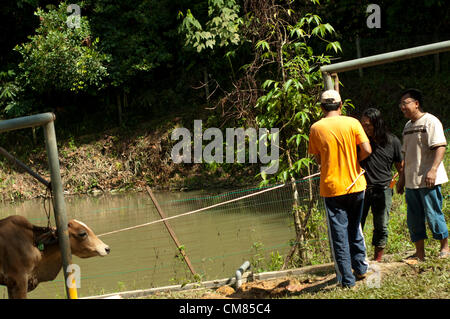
(380, 132)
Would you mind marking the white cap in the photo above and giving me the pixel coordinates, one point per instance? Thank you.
(329, 97)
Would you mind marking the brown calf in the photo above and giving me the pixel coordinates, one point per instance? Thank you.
(30, 254)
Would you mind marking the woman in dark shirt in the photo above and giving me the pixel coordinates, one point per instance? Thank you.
(386, 151)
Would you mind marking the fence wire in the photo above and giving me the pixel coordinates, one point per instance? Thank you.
(259, 229)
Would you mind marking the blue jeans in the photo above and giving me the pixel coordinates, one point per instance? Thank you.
(425, 204)
(380, 200)
(346, 239)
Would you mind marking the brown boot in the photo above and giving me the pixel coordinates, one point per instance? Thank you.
(378, 253)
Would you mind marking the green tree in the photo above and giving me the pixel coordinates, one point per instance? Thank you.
(213, 39)
(59, 58)
(133, 33)
(290, 101)
(142, 39)
(9, 90)
(221, 30)
(280, 86)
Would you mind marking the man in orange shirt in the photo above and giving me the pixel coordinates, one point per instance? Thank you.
(334, 140)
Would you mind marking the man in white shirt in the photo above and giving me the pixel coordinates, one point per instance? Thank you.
(424, 146)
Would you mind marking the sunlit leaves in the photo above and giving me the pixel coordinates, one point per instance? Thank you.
(263, 45)
(221, 30)
(290, 102)
(336, 46)
(61, 58)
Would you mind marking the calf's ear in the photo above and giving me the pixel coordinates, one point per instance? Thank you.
(47, 238)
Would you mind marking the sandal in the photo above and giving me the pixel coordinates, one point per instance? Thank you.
(444, 254)
(412, 260)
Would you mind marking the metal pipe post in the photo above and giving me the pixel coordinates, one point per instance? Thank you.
(20, 164)
(387, 57)
(328, 81)
(59, 205)
(26, 121)
(358, 53)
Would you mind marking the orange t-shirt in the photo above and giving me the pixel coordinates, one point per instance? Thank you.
(335, 139)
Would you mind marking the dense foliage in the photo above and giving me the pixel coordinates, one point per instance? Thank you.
(149, 66)
(58, 58)
(249, 63)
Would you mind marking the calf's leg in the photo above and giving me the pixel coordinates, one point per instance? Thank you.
(17, 288)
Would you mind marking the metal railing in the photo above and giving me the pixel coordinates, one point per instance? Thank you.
(381, 59)
(46, 120)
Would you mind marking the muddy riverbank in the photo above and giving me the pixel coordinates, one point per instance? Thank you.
(118, 160)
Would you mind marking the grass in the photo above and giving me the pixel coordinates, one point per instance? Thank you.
(425, 280)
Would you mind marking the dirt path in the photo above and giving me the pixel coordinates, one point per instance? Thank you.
(295, 285)
(397, 276)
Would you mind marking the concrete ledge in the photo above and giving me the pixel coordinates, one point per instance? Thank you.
(246, 277)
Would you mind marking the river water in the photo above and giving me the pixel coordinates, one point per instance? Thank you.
(217, 240)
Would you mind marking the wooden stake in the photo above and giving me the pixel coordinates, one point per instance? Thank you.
(171, 232)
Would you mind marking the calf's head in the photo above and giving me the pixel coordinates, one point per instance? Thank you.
(83, 242)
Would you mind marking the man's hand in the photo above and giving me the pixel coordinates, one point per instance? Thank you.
(400, 187)
(430, 178)
(364, 151)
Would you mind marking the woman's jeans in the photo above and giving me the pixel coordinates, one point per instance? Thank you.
(380, 200)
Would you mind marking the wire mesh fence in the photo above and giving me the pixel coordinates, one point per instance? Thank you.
(258, 228)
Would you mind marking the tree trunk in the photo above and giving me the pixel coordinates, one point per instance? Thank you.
(119, 109)
(358, 54)
(33, 129)
(205, 79)
(298, 245)
(437, 63)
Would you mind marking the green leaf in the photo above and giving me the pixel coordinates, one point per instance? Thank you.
(336, 46)
(264, 175)
(287, 84)
(329, 28)
(298, 140)
(263, 44)
(267, 84)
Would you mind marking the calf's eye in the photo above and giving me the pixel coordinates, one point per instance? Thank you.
(82, 234)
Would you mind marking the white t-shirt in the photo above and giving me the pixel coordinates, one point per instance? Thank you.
(419, 139)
